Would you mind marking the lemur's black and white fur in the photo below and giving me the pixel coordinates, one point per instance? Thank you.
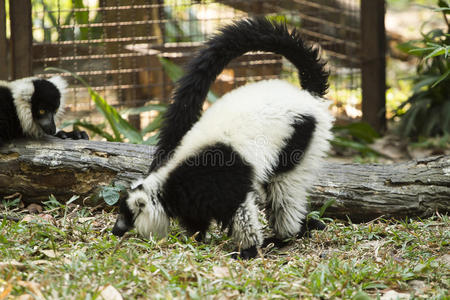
(259, 144)
(30, 106)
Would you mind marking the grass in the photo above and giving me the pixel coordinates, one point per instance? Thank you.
(72, 255)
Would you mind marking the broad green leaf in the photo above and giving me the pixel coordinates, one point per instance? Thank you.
(110, 194)
(173, 71)
(326, 206)
(155, 124)
(426, 80)
(138, 110)
(438, 51)
(153, 140)
(360, 130)
(442, 78)
(343, 142)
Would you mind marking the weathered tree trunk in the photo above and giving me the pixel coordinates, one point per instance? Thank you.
(64, 168)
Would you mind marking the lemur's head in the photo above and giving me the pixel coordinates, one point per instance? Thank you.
(141, 208)
(38, 103)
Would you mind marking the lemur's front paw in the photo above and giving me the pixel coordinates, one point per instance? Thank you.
(311, 224)
(248, 253)
(74, 135)
(277, 242)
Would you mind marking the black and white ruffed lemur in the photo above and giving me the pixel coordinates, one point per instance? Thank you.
(30, 106)
(260, 144)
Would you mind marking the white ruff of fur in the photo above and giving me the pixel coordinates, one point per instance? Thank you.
(61, 85)
(22, 90)
(152, 220)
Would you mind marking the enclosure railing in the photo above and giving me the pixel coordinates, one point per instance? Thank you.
(117, 45)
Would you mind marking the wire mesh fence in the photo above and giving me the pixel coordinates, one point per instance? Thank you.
(120, 47)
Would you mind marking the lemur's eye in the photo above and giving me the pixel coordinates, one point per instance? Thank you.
(42, 111)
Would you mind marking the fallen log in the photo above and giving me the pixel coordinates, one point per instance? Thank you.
(36, 169)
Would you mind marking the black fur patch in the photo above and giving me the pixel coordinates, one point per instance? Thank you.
(126, 212)
(234, 40)
(140, 187)
(251, 252)
(295, 147)
(10, 127)
(46, 96)
(209, 185)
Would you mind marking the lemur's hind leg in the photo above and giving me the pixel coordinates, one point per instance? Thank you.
(245, 227)
(286, 206)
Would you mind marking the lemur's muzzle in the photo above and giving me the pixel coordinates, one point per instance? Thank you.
(120, 227)
(47, 123)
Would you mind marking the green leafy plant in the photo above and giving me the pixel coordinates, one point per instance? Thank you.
(111, 194)
(73, 12)
(121, 129)
(356, 136)
(427, 111)
(318, 214)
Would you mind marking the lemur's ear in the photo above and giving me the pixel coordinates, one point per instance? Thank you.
(22, 89)
(59, 82)
(140, 202)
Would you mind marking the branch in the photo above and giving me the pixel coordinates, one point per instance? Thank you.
(65, 168)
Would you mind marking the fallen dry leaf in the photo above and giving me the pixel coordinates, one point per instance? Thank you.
(108, 292)
(33, 287)
(34, 208)
(393, 295)
(221, 272)
(6, 291)
(12, 263)
(39, 218)
(25, 297)
(83, 220)
(50, 253)
(13, 196)
(40, 262)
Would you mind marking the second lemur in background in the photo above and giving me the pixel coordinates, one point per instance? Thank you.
(261, 143)
(31, 106)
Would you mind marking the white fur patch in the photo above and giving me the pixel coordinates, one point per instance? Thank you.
(256, 121)
(22, 90)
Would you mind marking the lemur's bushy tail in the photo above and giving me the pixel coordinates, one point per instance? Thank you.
(232, 41)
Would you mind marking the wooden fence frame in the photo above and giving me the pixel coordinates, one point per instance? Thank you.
(373, 48)
(373, 68)
(4, 69)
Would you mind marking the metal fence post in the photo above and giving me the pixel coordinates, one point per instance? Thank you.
(373, 45)
(21, 38)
